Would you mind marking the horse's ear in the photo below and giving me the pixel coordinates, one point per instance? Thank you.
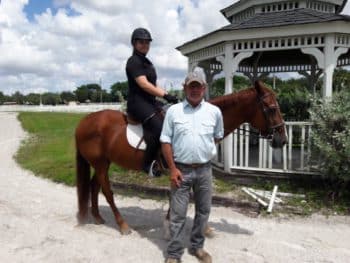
(258, 86)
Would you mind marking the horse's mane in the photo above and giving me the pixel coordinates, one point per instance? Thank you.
(233, 98)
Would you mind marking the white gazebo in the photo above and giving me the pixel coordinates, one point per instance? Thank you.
(270, 36)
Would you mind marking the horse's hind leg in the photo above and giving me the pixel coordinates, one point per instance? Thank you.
(103, 180)
(95, 189)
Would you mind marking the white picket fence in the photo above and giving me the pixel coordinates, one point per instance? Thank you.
(91, 107)
(256, 154)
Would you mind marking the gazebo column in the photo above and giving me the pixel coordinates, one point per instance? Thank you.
(230, 65)
(329, 65)
(210, 71)
(192, 66)
(327, 61)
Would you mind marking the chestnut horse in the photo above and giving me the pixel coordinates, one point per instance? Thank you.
(101, 139)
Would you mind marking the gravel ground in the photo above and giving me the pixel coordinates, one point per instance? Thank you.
(38, 224)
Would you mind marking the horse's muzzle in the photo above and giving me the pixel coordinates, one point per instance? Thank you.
(279, 139)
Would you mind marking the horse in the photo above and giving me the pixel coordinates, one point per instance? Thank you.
(101, 139)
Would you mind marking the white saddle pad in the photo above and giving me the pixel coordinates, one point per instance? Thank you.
(134, 134)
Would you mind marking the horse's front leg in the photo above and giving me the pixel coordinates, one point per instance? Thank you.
(103, 180)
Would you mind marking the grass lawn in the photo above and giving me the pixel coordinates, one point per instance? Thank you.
(50, 149)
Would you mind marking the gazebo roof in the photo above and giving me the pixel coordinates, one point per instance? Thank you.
(294, 17)
(243, 5)
(285, 18)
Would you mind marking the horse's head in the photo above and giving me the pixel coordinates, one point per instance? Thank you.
(268, 118)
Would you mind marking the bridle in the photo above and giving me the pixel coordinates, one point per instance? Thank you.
(267, 111)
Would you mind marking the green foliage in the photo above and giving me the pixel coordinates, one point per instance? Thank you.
(179, 93)
(50, 98)
(331, 137)
(18, 97)
(218, 86)
(32, 99)
(67, 96)
(119, 91)
(293, 97)
(341, 79)
(90, 92)
(2, 98)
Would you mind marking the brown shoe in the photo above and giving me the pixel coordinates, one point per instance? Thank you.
(172, 260)
(202, 255)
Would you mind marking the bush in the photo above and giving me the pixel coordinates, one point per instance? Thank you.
(331, 138)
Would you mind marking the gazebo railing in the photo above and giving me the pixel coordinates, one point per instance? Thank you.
(253, 153)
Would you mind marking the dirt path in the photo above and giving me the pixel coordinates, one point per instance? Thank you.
(37, 224)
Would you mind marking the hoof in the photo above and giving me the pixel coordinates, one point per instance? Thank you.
(82, 218)
(99, 220)
(125, 229)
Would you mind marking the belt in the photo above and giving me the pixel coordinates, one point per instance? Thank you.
(192, 165)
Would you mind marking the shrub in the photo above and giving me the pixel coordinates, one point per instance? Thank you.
(331, 138)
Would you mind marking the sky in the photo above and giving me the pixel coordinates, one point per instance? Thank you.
(58, 45)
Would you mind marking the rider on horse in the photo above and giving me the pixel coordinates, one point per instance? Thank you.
(143, 90)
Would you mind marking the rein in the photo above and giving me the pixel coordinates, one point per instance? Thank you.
(257, 134)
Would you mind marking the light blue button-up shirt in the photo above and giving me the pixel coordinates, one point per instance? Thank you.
(192, 130)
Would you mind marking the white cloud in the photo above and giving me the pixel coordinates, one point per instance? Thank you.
(57, 49)
(84, 41)
(346, 9)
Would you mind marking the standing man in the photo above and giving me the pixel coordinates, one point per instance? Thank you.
(190, 130)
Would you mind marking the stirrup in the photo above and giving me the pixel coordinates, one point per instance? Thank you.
(154, 170)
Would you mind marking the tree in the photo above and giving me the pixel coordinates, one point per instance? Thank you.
(67, 96)
(50, 98)
(32, 98)
(82, 93)
(218, 86)
(2, 97)
(18, 97)
(119, 89)
(106, 97)
(91, 92)
(95, 92)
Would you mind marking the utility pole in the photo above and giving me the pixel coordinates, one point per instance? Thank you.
(101, 90)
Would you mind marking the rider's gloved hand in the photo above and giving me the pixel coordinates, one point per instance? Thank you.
(170, 98)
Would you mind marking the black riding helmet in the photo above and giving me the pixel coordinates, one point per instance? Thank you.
(140, 33)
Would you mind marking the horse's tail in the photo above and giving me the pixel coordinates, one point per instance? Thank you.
(83, 186)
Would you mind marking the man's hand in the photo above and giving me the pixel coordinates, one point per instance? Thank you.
(170, 98)
(175, 177)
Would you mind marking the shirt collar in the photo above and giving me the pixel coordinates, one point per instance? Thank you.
(187, 104)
